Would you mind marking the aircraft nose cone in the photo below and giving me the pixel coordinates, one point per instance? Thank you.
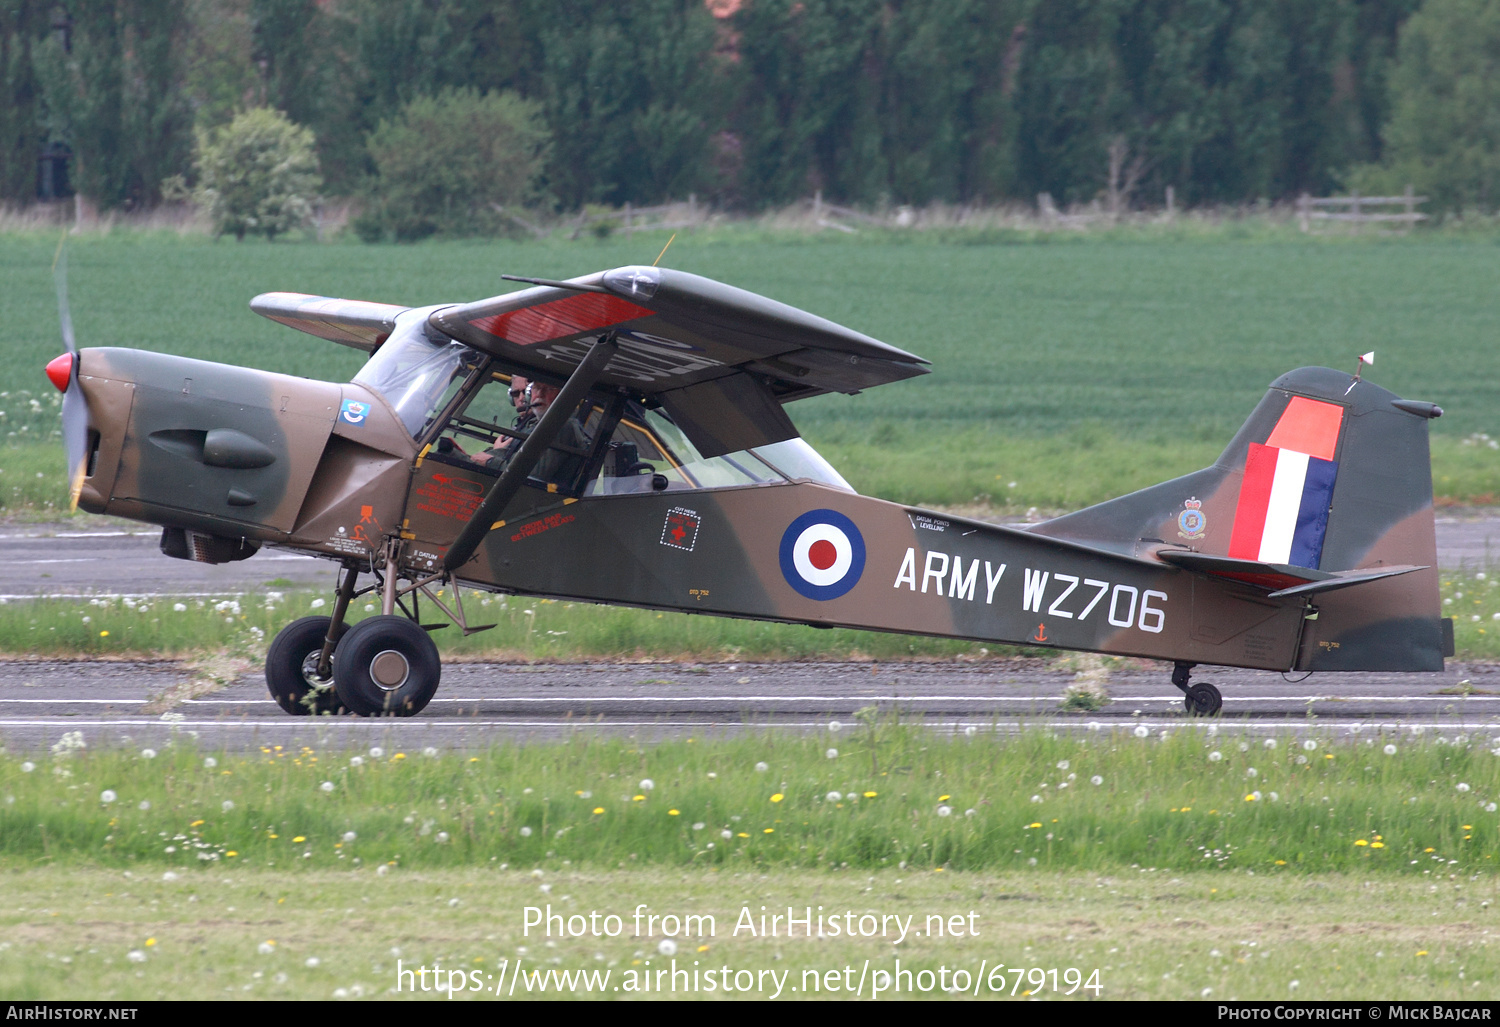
(60, 370)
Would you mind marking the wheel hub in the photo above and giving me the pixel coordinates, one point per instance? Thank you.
(389, 669)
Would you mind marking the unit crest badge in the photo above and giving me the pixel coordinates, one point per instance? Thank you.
(1191, 523)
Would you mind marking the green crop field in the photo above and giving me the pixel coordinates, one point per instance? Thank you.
(1063, 372)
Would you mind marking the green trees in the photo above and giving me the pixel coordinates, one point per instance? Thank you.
(258, 175)
(758, 102)
(452, 163)
(1444, 131)
(110, 76)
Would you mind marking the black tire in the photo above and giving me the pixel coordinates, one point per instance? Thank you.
(291, 669)
(1202, 700)
(387, 667)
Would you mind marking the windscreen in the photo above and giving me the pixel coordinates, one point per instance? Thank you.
(412, 371)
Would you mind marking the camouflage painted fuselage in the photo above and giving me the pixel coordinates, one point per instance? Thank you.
(245, 454)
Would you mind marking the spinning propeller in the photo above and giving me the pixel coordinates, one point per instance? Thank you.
(63, 373)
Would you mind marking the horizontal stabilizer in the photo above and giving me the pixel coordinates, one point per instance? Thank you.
(360, 324)
(1281, 580)
(1343, 579)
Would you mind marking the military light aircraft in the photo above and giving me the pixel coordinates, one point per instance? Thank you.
(667, 474)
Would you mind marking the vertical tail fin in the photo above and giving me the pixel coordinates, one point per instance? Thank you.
(1329, 474)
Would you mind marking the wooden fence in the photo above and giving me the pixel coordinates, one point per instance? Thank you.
(1355, 209)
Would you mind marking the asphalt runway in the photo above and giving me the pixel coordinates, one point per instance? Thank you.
(487, 704)
(120, 703)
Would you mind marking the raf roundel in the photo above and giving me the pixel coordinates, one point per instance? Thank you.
(822, 554)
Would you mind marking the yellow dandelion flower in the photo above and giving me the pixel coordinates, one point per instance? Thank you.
(196, 823)
(937, 870)
(672, 813)
(1468, 827)
(1422, 953)
(1036, 824)
(1361, 842)
(769, 830)
(273, 835)
(1377, 845)
(598, 810)
(702, 948)
(231, 853)
(944, 798)
(399, 756)
(1429, 849)
(1250, 797)
(104, 634)
(1281, 862)
(871, 795)
(742, 834)
(150, 942)
(638, 798)
(299, 838)
(777, 797)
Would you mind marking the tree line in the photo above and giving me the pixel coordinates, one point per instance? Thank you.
(752, 103)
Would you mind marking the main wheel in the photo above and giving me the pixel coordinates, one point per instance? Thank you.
(387, 667)
(292, 669)
(1202, 700)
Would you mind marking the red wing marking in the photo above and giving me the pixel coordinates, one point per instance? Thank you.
(571, 315)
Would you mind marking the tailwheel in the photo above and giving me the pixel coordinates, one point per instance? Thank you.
(1202, 700)
(387, 667)
(292, 669)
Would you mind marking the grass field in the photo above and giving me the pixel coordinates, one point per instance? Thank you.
(1356, 867)
(1151, 934)
(1075, 370)
(872, 793)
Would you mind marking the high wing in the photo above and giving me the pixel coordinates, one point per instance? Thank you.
(356, 323)
(721, 360)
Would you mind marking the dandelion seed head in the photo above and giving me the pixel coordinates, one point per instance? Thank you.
(970, 731)
(525, 832)
(1096, 780)
(356, 761)
(762, 767)
(668, 947)
(27, 767)
(834, 727)
(107, 796)
(1141, 731)
(1062, 764)
(1215, 756)
(136, 956)
(326, 786)
(312, 961)
(144, 805)
(834, 796)
(265, 948)
(832, 754)
(647, 784)
(945, 811)
(1462, 786)
(376, 752)
(442, 837)
(1390, 750)
(349, 836)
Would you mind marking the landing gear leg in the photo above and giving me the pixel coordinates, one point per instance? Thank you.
(299, 663)
(1200, 700)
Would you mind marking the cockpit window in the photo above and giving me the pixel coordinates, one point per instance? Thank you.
(646, 445)
(796, 459)
(413, 372)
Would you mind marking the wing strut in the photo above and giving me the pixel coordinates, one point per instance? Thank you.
(520, 466)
